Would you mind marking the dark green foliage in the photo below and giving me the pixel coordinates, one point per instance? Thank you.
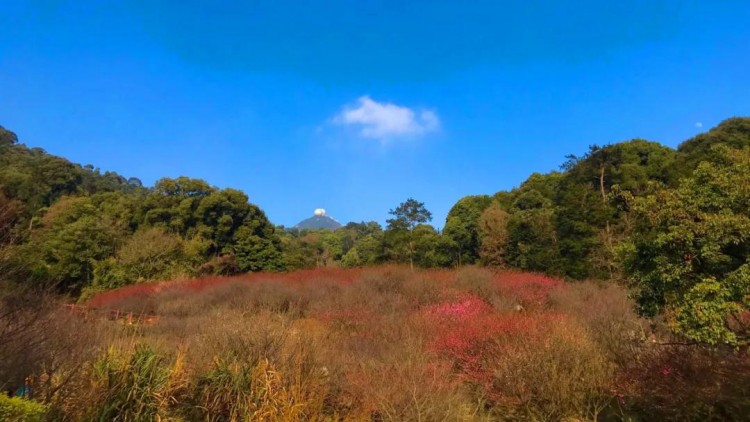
(74, 228)
(567, 223)
(462, 228)
(356, 244)
(588, 223)
(734, 133)
(689, 255)
(38, 179)
(224, 219)
(532, 242)
(431, 249)
(421, 247)
(367, 250)
(21, 410)
(7, 137)
(256, 249)
(408, 215)
(400, 237)
(671, 222)
(72, 236)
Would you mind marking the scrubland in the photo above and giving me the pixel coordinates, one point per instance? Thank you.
(379, 344)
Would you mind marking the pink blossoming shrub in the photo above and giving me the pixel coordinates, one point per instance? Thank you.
(510, 358)
(531, 291)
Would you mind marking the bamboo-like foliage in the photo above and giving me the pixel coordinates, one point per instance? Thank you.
(233, 391)
(138, 387)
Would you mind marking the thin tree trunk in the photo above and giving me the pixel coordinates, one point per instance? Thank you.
(411, 255)
(606, 224)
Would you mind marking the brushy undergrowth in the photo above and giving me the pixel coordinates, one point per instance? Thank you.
(17, 409)
(381, 344)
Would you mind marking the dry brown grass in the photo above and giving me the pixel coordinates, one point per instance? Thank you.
(382, 344)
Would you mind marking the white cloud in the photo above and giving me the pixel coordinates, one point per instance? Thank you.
(698, 125)
(386, 120)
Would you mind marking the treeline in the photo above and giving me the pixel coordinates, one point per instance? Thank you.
(572, 223)
(81, 231)
(674, 224)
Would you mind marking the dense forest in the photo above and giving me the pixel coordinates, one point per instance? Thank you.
(673, 225)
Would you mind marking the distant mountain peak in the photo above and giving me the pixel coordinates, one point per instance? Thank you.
(318, 221)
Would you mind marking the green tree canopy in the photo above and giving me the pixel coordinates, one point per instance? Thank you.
(689, 254)
(588, 225)
(734, 133)
(462, 227)
(408, 215)
(7, 137)
(73, 236)
(400, 234)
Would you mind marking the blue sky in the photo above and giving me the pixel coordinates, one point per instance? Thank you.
(356, 106)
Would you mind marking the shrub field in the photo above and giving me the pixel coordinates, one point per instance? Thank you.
(379, 344)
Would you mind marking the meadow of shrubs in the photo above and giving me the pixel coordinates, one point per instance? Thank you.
(378, 344)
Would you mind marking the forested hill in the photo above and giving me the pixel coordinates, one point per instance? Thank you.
(72, 227)
(634, 211)
(570, 222)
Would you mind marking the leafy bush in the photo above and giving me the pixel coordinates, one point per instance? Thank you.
(16, 409)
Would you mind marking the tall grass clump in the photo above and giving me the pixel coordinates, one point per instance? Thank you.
(237, 391)
(606, 312)
(555, 372)
(141, 386)
(480, 282)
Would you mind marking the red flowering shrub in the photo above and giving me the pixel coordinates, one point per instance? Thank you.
(529, 290)
(521, 360)
(139, 291)
(464, 308)
(136, 291)
(466, 331)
